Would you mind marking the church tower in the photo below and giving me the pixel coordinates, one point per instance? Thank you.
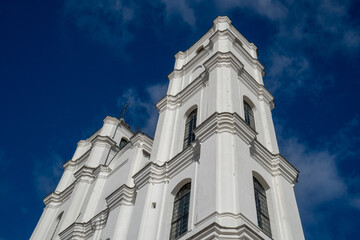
(212, 171)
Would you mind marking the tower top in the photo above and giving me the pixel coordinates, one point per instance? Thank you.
(221, 23)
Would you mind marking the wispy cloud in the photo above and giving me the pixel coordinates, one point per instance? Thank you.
(141, 111)
(105, 21)
(320, 176)
(181, 8)
(47, 172)
(296, 69)
(268, 8)
(322, 26)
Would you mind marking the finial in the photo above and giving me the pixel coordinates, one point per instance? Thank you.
(123, 110)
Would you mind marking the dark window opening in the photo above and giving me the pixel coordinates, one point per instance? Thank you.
(249, 115)
(261, 208)
(190, 125)
(123, 142)
(179, 222)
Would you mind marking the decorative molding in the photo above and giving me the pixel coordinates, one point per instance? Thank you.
(111, 120)
(87, 229)
(276, 164)
(142, 140)
(83, 143)
(77, 162)
(224, 122)
(258, 89)
(172, 102)
(239, 217)
(217, 231)
(233, 123)
(105, 141)
(155, 173)
(124, 195)
(102, 171)
(54, 199)
(84, 174)
(223, 59)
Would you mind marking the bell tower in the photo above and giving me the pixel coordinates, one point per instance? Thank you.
(240, 183)
(212, 171)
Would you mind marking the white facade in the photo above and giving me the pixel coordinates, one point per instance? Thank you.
(108, 192)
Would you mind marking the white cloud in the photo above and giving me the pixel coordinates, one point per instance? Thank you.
(182, 8)
(295, 69)
(320, 180)
(142, 112)
(268, 8)
(47, 173)
(104, 21)
(319, 177)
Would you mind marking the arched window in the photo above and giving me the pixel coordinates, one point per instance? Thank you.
(123, 142)
(190, 125)
(261, 208)
(179, 222)
(249, 115)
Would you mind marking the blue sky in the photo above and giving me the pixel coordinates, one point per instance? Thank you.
(65, 65)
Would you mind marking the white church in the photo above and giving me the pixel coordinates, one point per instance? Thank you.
(212, 171)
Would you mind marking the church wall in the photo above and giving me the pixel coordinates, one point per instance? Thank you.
(126, 194)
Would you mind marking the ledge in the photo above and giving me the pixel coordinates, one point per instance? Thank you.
(172, 102)
(105, 141)
(124, 195)
(155, 173)
(258, 89)
(87, 229)
(55, 199)
(84, 174)
(276, 164)
(224, 122)
(142, 140)
(234, 124)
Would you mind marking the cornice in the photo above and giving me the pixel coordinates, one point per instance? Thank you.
(276, 164)
(228, 59)
(222, 19)
(239, 217)
(142, 140)
(258, 89)
(74, 163)
(87, 229)
(224, 122)
(227, 33)
(172, 102)
(193, 62)
(84, 174)
(55, 199)
(223, 59)
(83, 143)
(155, 173)
(105, 141)
(216, 231)
(234, 124)
(111, 120)
(124, 195)
(102, 171)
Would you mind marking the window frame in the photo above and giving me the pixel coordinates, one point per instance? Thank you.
(262, 209)
(249, 116)
(180, 212)
(190, 125)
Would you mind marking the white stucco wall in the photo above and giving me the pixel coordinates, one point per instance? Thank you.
(112, 193)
